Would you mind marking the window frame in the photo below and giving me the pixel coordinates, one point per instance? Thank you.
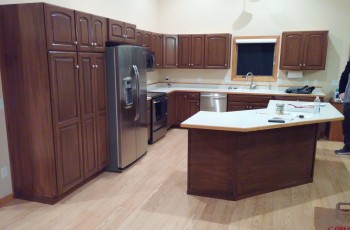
(258, 78)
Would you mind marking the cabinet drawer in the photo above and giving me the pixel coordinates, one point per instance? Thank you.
(192, 96)
(249, 98)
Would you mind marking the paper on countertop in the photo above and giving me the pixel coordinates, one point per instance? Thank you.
(295, 74)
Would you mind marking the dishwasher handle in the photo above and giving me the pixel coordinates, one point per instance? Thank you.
(215, 97)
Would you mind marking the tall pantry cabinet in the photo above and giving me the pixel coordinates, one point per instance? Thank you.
(52, 67)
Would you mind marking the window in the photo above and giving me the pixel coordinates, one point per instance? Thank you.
(258, 55)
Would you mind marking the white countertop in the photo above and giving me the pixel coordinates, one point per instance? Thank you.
(262, 90)
(257, 119)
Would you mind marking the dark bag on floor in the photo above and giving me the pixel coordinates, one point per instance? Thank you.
(303, 90)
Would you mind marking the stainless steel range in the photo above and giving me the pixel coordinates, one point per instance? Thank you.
(158, 121)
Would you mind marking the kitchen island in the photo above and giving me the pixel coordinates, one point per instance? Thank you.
(235, 155)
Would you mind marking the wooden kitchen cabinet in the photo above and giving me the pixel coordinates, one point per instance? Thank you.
(187, 104)
(335, 132)
(170, 51)
(304, 50)
(217, 51)
(143, 38)
(171, 107)
(191, 51)
(237, 102)
(121, 32)
(91, 32)
(61, 142)
(157, 48)
(60, 28)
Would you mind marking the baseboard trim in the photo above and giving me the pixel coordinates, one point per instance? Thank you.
(6, 199)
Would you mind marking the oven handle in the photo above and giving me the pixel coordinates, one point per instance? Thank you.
(137, 115)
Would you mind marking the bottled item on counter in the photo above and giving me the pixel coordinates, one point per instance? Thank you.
(317, 105)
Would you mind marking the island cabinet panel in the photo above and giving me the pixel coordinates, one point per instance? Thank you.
(210, 162)
(61, 142)
(237, 102)
(266, 168)
(217, 51)
(296, 98)
(187, 104)
(235, 165)
(60, 28)
(304, 50)
(170, 51)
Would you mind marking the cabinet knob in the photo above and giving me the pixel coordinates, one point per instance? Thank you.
(158, 65)
(95, 44)
(300, 64)
(77, 66)
(225, 64)
(92, 44)
(76, 43)
(304, 65)
(96, 66)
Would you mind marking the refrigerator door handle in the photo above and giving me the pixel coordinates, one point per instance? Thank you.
(137, 74)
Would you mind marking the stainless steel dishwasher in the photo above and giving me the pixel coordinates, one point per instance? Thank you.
(216, 102)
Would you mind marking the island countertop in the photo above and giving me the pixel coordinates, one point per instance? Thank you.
(257, 119)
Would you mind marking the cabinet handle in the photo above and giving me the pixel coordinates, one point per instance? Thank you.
(77, 66)
(300, 64)
(93, 66)
(158, 65)
(92, 44)
(75, 42)
(304, 65)
(95, 44)
(96, 66)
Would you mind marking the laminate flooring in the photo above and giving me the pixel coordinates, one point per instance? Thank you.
(152, 195)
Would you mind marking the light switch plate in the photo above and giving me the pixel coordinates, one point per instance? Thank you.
(1, 103)
(335, 82)
(4, 172)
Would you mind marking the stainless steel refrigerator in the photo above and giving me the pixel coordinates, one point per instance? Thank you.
(127, 97)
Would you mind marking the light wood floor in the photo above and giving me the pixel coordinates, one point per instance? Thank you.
(152, 195)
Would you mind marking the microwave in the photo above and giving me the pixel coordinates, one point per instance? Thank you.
(150, 61)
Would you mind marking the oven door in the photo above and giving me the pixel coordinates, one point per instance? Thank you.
(159, 112)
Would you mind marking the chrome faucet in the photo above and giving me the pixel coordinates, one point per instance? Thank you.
(252, 84)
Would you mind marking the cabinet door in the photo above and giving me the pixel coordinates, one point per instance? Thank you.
(130, 33)
(217, 51)
(115, 31)
(99, 33)
(315, 50)
(83, 26)
(171, 119)
(87, 98)
(181, 108)
(147, 38)
(101, 110)
(184, 51)
(292, 51)
(197, 51)
(60, 28)
(157, 47)
(139, 37)
(67, 119)
(192, 107)
(170, 51)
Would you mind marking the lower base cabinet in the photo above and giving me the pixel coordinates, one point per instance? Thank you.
(187, 104)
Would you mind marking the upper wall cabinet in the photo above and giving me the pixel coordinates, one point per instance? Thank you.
(143, 38)
(60, 28)
(191, 51)
(217, 51)
(121, 32)
(304, 50)
(69, 30)
(170, 51)
(157, 48)
(91, 32)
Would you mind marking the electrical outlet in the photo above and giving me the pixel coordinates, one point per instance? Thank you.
(335, 82)
(166, 78)
(4, 172)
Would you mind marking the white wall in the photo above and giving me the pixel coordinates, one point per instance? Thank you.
(261, 17)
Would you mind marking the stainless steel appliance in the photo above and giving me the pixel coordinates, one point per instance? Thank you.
(159, 106)
(126, 78)
(216, 102)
